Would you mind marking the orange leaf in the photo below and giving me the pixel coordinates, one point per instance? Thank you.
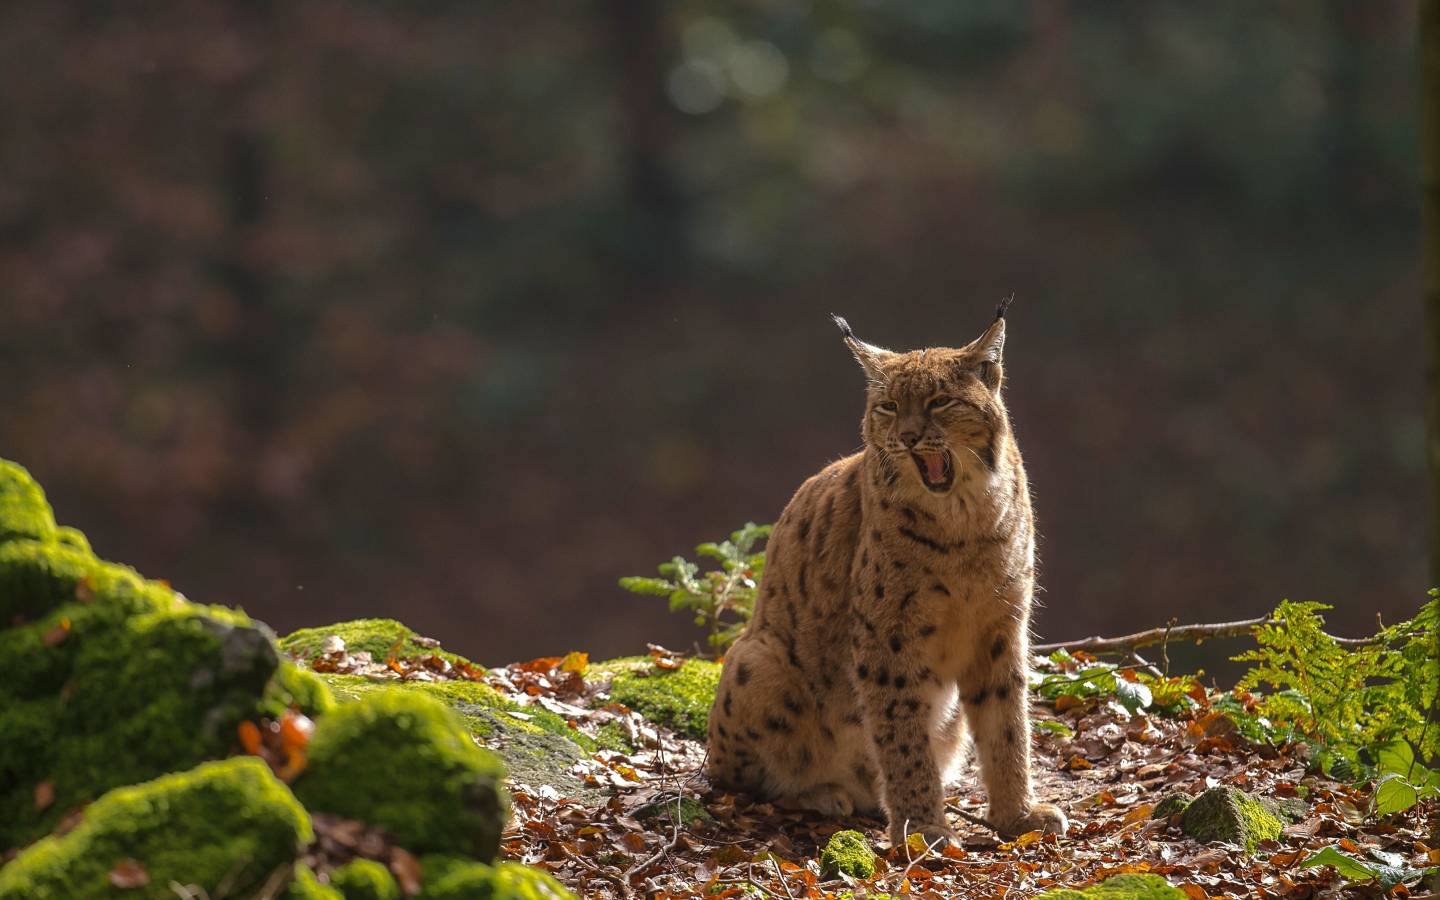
(669, 663)
(129, 874)
(59, 633)
(632, 842)
(543, 664)
(1067, 701)
(1074, 763)
(1194, 891)
(249, 737)
(1140, 813)
(575, 661)
(44, 794)
(85, 590)
(407, 870)
(295, 731)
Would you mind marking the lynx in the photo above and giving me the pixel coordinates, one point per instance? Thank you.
(894, 611)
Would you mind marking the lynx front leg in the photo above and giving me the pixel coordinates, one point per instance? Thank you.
(997, 708)
(898, 704)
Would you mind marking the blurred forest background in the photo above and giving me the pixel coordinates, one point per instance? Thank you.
(456, 312)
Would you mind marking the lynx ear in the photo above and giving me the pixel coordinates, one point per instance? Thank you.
(869, 355)
(986, 352)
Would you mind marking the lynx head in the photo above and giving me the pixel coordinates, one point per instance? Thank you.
(934, 412)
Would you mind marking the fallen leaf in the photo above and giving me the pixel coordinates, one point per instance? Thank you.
(1067, 701)
(1194, 892)
(249, 735)
(129, 874)
(575, 661)
(58, 634)
(407, 870)
(44, 794)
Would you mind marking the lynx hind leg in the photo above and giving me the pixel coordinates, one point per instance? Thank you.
(736, 758)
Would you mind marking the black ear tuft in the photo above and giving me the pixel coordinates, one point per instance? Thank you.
(844, 327)
(1003, 306)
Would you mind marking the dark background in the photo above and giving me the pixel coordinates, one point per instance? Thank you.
(456, 312)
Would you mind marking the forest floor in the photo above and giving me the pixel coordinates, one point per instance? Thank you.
(1107, 776)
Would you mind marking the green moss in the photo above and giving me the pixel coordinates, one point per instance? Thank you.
(1230, 815)
(470, 699)
(73, 537)
(454, 878)
(365, 879)
(121, 699)
(405, 762)
(301, 687)
(1122, 887)
(1172, 804)
(376, 636)
(680, 699)
(24, 513)
(692, 812)
(222, 820)
(306, 887)
(613, 736)
(850, 853)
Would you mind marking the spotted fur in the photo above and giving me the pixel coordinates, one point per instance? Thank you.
(894, 612)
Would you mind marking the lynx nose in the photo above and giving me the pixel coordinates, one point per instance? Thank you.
(910, 438)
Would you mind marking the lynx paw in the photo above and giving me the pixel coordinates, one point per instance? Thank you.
(1044, 817)
(828, 800)
(933, 834)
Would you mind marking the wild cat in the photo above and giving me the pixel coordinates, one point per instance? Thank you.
(894, 610)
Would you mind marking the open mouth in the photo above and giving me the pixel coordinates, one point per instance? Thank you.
(935, 469)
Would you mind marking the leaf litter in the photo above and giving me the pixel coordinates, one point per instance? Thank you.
(1105, 764)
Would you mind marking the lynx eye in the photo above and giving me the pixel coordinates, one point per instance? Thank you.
(940, 402)
(889, 406)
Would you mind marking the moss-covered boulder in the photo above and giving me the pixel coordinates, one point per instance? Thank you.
(1172, 804)
(24, 513)
(848, 853)
(1230, 815)
(678, 699)
(1122, 887)
(378, 637)
(228, 821)
(405, 762)
(365, 879)
(122, 682)
(457, 878)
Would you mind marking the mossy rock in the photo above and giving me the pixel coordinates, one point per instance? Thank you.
(1122, 887)
(405, 762)
(375, 636)
(457, 878)
(305, 886)
(847, 852)
(538, 749)
(301, 688)
(1172, 804)
(1230, 815)
(679, 699)
(365, 879)
(24, 512)
(662, 807)
(229, 821)
(129, 685)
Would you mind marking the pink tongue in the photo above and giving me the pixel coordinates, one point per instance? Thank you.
(934, 467)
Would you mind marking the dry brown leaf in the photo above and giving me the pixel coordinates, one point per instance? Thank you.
(58, 634)
(128, 874)
(407, 870)
(44, 794)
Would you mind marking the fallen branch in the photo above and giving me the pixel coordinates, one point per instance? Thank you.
(1132, 642)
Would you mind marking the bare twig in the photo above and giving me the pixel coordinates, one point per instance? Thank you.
(972, 819)
(1165, 648)
(781, 875)
(1197, 633)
